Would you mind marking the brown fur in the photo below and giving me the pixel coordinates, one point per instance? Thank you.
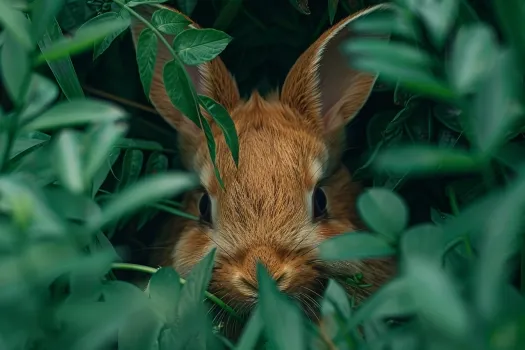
(289, 143)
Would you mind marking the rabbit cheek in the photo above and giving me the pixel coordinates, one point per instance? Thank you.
(192, 247)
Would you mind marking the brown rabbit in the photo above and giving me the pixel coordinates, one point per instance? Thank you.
(290, 191)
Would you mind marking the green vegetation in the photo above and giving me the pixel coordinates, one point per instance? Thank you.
(87, 167)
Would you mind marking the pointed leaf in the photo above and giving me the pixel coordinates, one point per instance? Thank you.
(15, 24)
(169, 22)
(68, 161)
(15, 68)
(196, 46)
(146, 57)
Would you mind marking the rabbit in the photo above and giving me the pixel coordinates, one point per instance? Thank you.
(290, 191)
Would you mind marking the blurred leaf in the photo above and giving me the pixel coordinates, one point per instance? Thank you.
(424, 160)
(27, 142)
(424, 240)
(15, 66)
(134, 3)
(435, 297)
(420, 128)
(100, 176)
(43, 14)
(85, 37)
(496, 107)
(355, 246)
(186, 6)
(68, 161)
(62, 69)
(169, 22)
(196, 46)
(384, 212)
(510, 15)
(227, 14)
(146, 57)
(473, 56)
(143, 192)
(15, 24)
(285, 332)
(101, 144)
(76, 112)
(336, 299)
(42, 92)
(70, 206)
(301, 6)
(131, 168)
(387, 22)
(439, 17)
(103, 45)
(449, 116)
(332, 9)
(140, 331)
(221, 116)
(252, 331)
(165, 289)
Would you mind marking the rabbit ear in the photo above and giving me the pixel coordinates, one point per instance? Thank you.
(322, 84)
(210, 78)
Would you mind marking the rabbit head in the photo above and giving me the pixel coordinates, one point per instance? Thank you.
(290, 191)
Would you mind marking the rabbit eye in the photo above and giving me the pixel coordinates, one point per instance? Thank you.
(319, 203)
(205, 208)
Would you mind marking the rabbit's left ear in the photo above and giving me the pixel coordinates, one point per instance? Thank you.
(322, 85)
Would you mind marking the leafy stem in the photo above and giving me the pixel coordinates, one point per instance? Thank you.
(152, 270)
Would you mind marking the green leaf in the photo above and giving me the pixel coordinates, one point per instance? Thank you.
(146, 191)
(169, 22)
(76, 112)
(27, 142)
(438, 15)
(165, 289)
(210, 140)
(384, 212)
(473, 56)
(301, 6)
(355, 246)
(387, 22)
(62, 69)
(332, 9)
(100, 176)
(285, 332)
(449, 116)
(146, 58)
(252, 332)
(221, 116)
(68, 161)
(15, 23)
(435, 297)
(425, 160)
(424, 240)
(228, 13)
(510, 18)
(186, 6)
(134, 3)
(196, 46)
(84, 38)
(101, 144)
(103, 45)
(42, 92)
(179, 90)
(43, 14)
(335, 309)
(140, 331)
(497, 105)
(15, 66)
(394, 52)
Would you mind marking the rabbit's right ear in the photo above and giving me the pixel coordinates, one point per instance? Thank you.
(210, 78)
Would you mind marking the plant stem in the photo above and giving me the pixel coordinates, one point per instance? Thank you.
(152, 270)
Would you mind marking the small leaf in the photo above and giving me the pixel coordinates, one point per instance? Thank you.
(164, 290)
(68, 161)
(15, 68)
(355, 246)
(210, 140)
(424, 240)
(424, 160)
(100, 176)
(439, 17)
(15, 23)
(336, 296)
(285, 332)
(221, 116)
(103, 45)
(196, 46)
(146, 191)
(42, 92)
(169, 22)
(76, 112)
(131, 168)
(85, 37)
(146, 57)
(332, 9)
(384, 212)
(473, 55)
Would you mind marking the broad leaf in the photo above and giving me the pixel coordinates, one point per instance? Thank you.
(179, 90)
(15, 68)
(43, 14)
(196, 46)
(103, 45)
(164, 290)
(355, 246)
(15, 24)
(169, 22)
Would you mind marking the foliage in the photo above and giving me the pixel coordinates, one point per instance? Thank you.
(81, 177)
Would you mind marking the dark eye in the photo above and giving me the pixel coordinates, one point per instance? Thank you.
(205, 208)
(319, 203)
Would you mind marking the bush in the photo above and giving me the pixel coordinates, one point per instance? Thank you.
(443, 160)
